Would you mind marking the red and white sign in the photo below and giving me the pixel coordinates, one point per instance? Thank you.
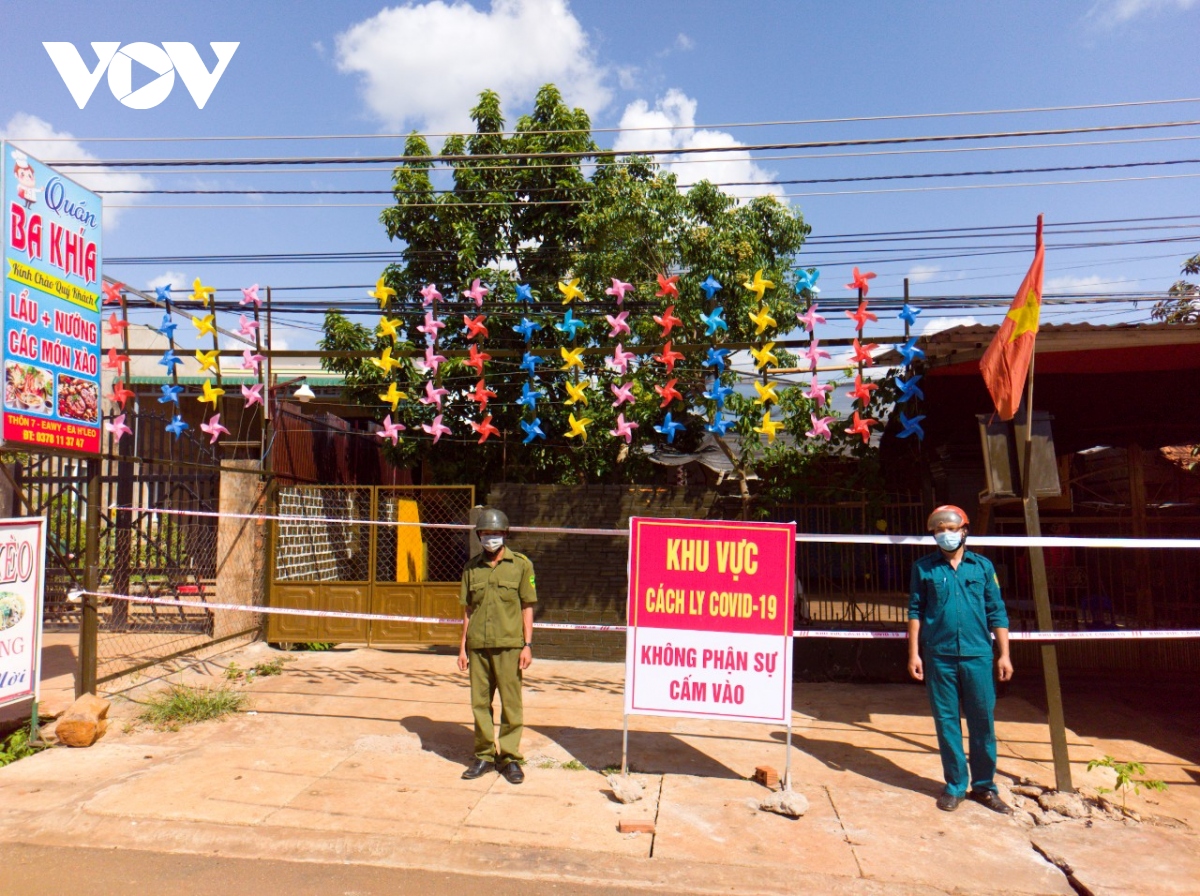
(710, 619)
(22, 579)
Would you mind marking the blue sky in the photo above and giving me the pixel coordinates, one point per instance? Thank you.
(363, 68)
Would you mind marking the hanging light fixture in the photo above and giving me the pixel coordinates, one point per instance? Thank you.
(304, 393)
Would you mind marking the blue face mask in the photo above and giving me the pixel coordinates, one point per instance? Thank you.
(949, 541)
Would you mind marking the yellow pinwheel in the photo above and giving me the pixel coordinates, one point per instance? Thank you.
(202, 293)
(578, 427)
(389, 327)
(570, 289)
(572, 357)
(766, 393)
(386, 362)
(762, 319)
(206, 324)
(769, 427)
(758, 285)
(578, 393)
(764, 355)
(392, 396)
(209, 394)
(208, 360)
(382, 292)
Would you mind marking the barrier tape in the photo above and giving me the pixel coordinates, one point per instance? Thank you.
(1061, 541)
(1126, 634)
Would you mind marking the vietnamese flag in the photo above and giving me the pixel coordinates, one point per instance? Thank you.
(1006, 362)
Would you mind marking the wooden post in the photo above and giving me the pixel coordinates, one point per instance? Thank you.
(1141, 561)
(85, 683)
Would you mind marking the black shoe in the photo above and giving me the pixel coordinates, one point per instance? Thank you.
(948, 802)
(989, 799)
(512, 772)
(477, 769)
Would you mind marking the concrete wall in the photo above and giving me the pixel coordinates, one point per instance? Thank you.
(241, 547)
(583, 579)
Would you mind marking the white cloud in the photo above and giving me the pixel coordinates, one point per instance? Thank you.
(683, 42)
(937, 324)
(175, 279)
(513, 48)
(1074, 284)
(1110, 13)
(671, 124)
(923, 273)
(38, 138)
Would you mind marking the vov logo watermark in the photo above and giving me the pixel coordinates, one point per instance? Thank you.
(117, 60)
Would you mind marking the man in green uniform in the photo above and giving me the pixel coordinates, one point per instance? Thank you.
(497, 595)
(954, 599)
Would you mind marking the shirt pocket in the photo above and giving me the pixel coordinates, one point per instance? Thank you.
(478, 585)
(973, 587)
(508, 581)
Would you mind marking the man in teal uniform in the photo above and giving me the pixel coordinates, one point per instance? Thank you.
(954, 599)
(497, 596)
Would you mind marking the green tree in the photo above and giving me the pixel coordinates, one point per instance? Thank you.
(1183, 304)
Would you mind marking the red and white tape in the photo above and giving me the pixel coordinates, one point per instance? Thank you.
(1123, 634)
(1046, 541)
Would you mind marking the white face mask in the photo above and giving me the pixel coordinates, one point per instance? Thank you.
(949, 541)
(492, 543)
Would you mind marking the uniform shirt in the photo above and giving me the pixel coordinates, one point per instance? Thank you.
(496, 595)
(956, 607)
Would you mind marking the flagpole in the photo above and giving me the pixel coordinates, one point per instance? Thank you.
(1041, 600)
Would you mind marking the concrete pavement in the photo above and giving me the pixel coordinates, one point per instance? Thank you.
(355, 755)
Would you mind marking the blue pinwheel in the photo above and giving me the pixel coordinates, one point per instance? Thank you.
(530, 361)
(527, 328)
(908, 314)
(529, 397)
(570, 323)
(912, 427)
(524, 292)
(710, 286)
(533, 430)
(719, 425)
(716, 359)
(169, 393)
(668, 428)
(166, 328)
(176, 426)
(714, 321)
(807, 280)
(163, 293)
(909, 388)
(910, 351)
(718, 393)
(169, 360)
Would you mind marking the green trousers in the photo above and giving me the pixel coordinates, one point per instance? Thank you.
(962, 686)
(497, 669)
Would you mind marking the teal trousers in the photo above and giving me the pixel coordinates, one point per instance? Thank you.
(962, 686)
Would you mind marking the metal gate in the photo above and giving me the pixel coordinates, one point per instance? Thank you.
(337, 557)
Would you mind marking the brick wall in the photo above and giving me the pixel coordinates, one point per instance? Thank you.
(583, 578)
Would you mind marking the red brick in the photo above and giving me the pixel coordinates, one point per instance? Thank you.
(635, 827)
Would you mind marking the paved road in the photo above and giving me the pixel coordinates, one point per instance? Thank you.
(114, 872)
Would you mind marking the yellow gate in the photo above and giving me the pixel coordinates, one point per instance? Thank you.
(342, 551)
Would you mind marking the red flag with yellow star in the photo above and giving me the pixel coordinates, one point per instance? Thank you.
(1005, 364)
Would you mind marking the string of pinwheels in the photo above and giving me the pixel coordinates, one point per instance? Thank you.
(910, 389)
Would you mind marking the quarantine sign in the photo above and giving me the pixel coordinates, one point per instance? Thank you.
(710, 619)
(22, 580)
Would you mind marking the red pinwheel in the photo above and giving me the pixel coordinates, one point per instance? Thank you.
(668, 392)
(475, 326)
(862, 391)
(862, 353)
(861, 281)
(669, 357)
(861, 316)
(477, 359)
(667, 286)
(115, 361)
(116, 326)
(112, 293)
(120, 394)
(481, 394)
(485, 428)
(862, 426)
(668, 321)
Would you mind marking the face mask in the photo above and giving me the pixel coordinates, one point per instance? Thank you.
(492, 543)
(949, 541)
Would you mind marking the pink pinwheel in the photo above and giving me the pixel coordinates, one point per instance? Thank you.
(618, 289)
(623, 393)
(433, 394)
(117, 427)
(481, 394)
(252, 394)
(668, 321)
(251, 360)
(431, 326)
(624, 429)
(484, 427)
(861, 281)
(433, 360)
(810, 318)
(214, 428)
(250, 296)
(820, 427)
(430, 294)
(476, 292)
(436, 429)
(391, 430)
(814, 353)
(617, 322)
(817, 391)
(475, 326)
(620, 359)
(116, 326)
(477, 359)
(246, 326)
